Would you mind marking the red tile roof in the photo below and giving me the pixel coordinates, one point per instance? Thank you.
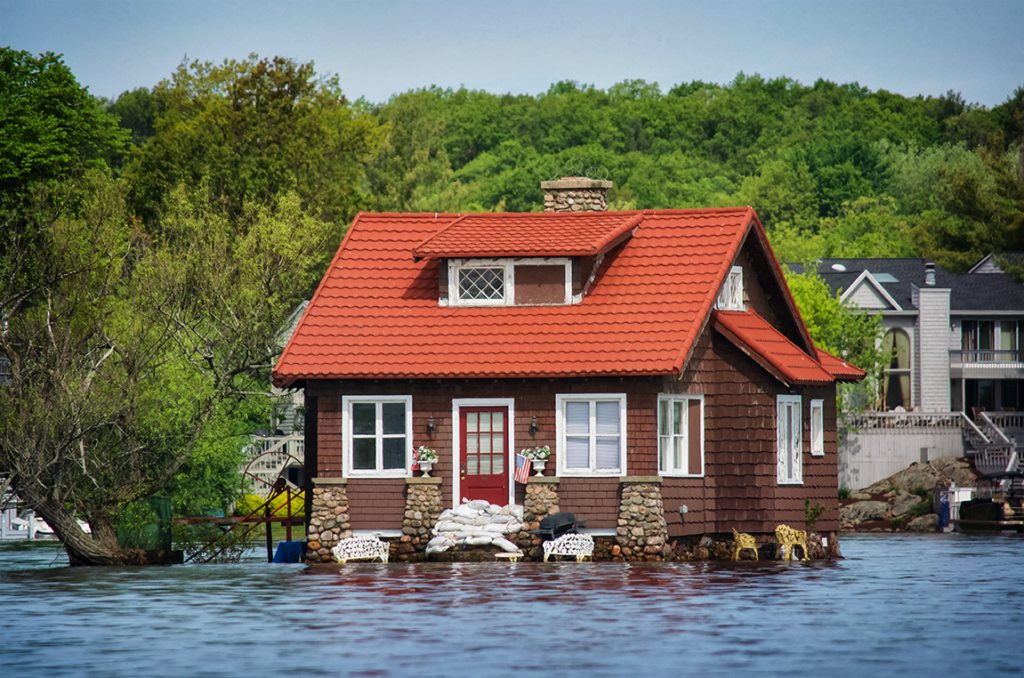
(524, 235)
(376, 312)
(769, 348)
(839, 368)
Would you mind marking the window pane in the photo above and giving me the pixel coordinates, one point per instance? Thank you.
(485, 464)
(482, 283)
(394, 452)
(677, 417)
(364, 419)
(472, 421)
(608, 418)
(499, 464)
(577, 453)
(364, 454)
(394, 418)
(577, 418)
(472, 467)
(677, 454)
(608, 453)
(498, 421)
(663, 452)
(485, 421)
(664, 420)
(471, 443)
(498, 441)
(485, 444)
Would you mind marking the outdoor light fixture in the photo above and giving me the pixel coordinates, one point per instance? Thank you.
(534, 426)
(683, 509)
(430, 425)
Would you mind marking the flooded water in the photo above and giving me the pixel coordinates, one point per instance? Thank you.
(896, 605)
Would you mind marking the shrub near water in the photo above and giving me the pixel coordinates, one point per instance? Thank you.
(251, 503)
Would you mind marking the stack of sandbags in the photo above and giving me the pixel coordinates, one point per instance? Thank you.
(476, 523)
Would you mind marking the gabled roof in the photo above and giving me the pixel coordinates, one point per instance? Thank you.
(376, 313)
(769, 348)
(865, 278)
(523, 235)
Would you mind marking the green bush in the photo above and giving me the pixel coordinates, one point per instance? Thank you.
(844, 493)
(250, 503)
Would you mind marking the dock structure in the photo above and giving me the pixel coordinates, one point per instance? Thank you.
(12, 527)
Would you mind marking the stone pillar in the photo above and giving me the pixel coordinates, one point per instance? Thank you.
(422, 508)
(541, 501)
(328, 521)
(641, 534)
(576, 194)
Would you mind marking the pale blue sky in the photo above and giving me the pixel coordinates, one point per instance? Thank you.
(381, 48)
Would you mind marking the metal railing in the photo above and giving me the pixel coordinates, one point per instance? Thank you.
(985, 356)
(274, 453)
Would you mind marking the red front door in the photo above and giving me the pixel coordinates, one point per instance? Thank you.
(484, 444)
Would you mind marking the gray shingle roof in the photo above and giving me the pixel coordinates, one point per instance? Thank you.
(968, 292)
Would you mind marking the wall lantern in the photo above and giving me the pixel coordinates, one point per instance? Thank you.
(430, 425)
(534, 426)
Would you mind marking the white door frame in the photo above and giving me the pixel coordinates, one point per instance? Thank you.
(457, 405)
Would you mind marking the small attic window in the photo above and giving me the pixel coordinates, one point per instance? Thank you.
(509, 282)
(730, 297)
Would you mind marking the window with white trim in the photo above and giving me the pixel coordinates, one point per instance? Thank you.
(730, 297)
(522, 281)
(591, 431)
(817, 428)
(789, 432)
(377, 435)
(680, 435)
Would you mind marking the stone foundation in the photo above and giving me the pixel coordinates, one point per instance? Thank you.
(328, 522)
(575, 194)
(642, 533)
(422, 508)
(541, 501)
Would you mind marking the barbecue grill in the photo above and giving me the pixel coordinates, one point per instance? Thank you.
(555, 525)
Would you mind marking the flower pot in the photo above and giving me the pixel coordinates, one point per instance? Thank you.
(538, 466)
(426, 466)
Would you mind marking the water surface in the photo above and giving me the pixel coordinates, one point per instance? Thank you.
(897, 604)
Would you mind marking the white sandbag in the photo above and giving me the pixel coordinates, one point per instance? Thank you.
(480, 541)
(505, 544)
(517, 512)
(512, 528)
(479, 504)
(465, 510)
(495, 528)
(480, 521)
(445, 515)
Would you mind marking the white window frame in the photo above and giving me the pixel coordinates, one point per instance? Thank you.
(560, 433)
(685, 435)
(789, 444)
(817, 428)
(730, 297)
(508, 264)
(347, 438)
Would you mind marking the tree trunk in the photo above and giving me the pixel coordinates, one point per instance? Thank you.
(99, 548)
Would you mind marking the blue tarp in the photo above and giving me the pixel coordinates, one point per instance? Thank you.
(289, 551)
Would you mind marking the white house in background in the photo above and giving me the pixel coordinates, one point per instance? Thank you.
(957, 341)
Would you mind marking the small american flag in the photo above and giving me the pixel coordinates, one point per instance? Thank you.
(522, 469)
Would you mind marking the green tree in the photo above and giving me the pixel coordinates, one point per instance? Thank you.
(256, 129)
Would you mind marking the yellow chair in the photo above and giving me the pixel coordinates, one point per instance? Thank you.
(742, 541)
(788, 538)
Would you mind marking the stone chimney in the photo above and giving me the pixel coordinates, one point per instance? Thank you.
(576, 194)
(929, 273)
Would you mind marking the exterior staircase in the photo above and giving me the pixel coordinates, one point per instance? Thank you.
(990, 438)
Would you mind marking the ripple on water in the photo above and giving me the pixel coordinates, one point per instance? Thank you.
(915, 604)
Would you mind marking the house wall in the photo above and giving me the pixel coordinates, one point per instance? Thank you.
(739, 487)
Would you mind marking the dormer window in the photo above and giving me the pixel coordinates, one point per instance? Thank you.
(519, 281)
(730, 297)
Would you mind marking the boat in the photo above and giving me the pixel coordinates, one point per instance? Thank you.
(997, 506)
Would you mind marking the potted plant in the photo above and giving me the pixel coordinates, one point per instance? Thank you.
(538, 456)
(425, 458)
